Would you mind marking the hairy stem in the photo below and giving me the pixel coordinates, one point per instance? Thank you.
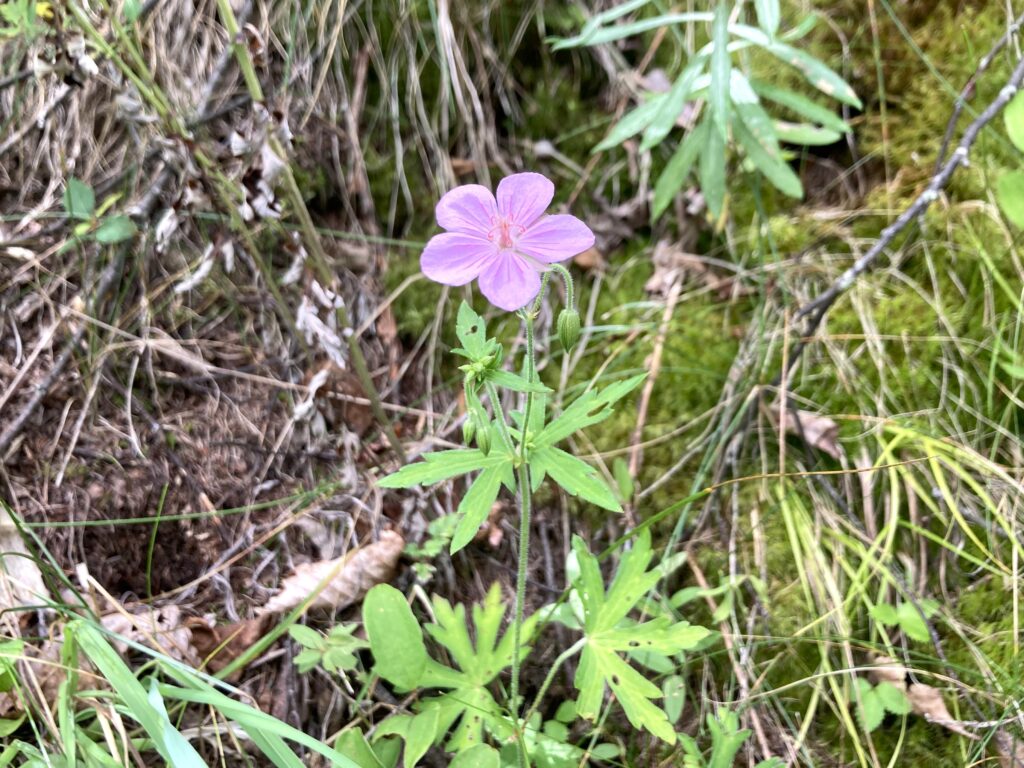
(524, 537)
(567, 654)
(506, 437)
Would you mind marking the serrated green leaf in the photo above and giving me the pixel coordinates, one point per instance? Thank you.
(727, 738)
(589, 408)
(420, 736)
(912, 624)
(802, 106)
(1013, 118)
(396, 641)
(79, 199)
(673, 691)
(885, 614)
(672, 105)
(632, 122)
(479, 756)
(623, 478)
(115, 229)
(721, 70)
(471, 331)
(601, 665)
(442, 465)
(928, 607)
(678, 168)
(353, 745)
(476, 505)
(1010, 196)
(768, 16)
(306, 636)
(576, 477)
(893, 699)
(516, 383)
(870, 711)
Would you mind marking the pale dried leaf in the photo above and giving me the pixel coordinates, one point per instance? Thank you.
(925, 700)
(162, 629)
(818, 431)
(21, 582)
(1010, 749)
(342, 581)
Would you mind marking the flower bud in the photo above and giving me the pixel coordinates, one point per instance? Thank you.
(568, 328)
(468, 429)
(483, 439)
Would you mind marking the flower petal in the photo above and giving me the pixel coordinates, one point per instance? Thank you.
(523, 197)
(455, 258)
(468, 209)
(509, 282)
(555, 238)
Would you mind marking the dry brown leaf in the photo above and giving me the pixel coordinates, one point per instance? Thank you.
(925, 700)
(590, 259)
(348, 577)
(818, 431)
(217, 646)
(40, 673)
(1010, 749)
(672, 263)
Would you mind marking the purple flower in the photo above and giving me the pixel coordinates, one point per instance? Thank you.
(505, 243)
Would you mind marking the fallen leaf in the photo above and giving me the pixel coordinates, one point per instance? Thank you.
(672, 262)
(925, 700)
(590, 259)
(818, 431)
(162, 629)
(463, 166)
(342, 581)
(21, 582)
(219, 645)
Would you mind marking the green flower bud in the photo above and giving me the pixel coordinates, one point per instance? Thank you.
(468, 429)
(568, 328)
(483, 439)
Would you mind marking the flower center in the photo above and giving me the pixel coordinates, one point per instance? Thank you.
(503, 232)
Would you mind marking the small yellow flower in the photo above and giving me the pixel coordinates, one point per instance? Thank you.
(44, 11)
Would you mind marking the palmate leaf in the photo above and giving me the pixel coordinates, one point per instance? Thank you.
(477, 503)
(608, 637)
(466, 709)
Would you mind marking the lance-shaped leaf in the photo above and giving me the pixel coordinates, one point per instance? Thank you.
(575, 476)
(608, 637)
(590, 408)
(442, 465)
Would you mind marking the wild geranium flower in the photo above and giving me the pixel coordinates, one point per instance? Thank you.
(505, 242)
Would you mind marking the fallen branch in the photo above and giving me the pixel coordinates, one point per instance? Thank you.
(814, 312)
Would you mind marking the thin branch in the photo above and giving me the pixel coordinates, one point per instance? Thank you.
(814, 311)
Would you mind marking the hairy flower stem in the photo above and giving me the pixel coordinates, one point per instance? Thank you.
(524, 536)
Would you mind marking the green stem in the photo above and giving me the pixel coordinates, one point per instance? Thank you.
(524, 538)
(506, 436)
(567, 654)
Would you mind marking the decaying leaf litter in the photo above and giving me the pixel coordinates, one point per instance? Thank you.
(198, 403)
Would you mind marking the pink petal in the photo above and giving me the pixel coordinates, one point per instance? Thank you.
(467, 209)
(455, 258)
(523, 197)
(509, 282)
(555, 238)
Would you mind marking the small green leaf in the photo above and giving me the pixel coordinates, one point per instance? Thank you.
(802, 106)
(132, 10)
(396, 641)
(1010, 195)
(672, 105)
(633, 122)
(893, 699)
(1013, 117)
(516, 383)
(674, 176)
(353, 745)
(765, 159)
(472, 331)
(576, 477)
(419, 737)
(115, 229)
(305, 636)
(673, 691)
(805, 135)
(912, 624)
(721, 69)
(884, 614)
(479, 756)
(869, 710)
(595, 33)
(817, 73)
(476, 505)
(589, 408)
(768, 16)
(79, 200)
(442, 465)
(623, 478)
(712, 172)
